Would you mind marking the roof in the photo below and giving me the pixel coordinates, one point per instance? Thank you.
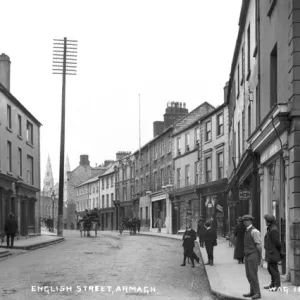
(7, 93)
(172, 126)
(110, 170)
(213, 112)
(93, 179)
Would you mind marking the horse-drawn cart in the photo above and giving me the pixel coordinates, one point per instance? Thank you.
(89, 223)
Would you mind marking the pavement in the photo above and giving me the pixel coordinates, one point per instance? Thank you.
(45, 239)
(227, 278)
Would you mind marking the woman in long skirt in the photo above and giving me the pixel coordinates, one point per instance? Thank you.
(239, 242)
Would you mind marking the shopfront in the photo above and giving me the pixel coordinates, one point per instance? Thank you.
(271, 142)
(273, 185)
(213, 204)
(185, 209)
(144, 213)
(158, 211)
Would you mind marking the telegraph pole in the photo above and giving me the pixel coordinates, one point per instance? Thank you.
(64, 63)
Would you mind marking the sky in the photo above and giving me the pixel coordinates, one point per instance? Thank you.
(162, 50)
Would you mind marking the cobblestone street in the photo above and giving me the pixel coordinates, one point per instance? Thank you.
(106, 260)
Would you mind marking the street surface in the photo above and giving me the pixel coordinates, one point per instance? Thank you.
(103, 267)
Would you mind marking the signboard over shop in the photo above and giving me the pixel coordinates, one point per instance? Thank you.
(270, 151)
(244, 195)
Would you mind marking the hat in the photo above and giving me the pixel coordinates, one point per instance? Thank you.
(207, 223)
(247, 217)
(200, 219)
(269, 218)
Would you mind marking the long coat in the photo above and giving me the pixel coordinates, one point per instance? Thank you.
(210, 237)
(201, 229)
(239, 243)
(272, 245)
(188, 244)
(11, 226)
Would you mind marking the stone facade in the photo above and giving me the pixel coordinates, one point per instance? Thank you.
(264, 139)
(19, 159)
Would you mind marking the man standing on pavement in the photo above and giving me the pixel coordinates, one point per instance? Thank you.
(189, 238)
(201, 231)
(11, 228)
(210, 240)
(273, 250)
(252, 250)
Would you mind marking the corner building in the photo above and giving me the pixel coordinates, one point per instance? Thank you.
(264, 126)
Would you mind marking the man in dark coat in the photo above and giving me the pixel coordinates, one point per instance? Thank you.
(189, 238)
(201, 231)
(11, 228)
(273, 249)
(210, 240)
(138, 224)
(252, 250)
(239, 233)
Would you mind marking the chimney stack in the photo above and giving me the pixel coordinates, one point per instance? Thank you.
(84, 160)
(5, 71)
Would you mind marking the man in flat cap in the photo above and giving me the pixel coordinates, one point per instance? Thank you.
(252, 251)
(210, 240)
(273, 252)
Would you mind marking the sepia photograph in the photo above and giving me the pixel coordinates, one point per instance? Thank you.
(148, 149)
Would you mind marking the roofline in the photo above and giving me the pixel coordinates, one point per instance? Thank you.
(172, 126)
(213, 112)
(242, 22)
(201, 119)
(6, 92)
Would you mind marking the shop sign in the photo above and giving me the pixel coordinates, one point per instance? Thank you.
(244, 195)
(220, 208)
(271, 150)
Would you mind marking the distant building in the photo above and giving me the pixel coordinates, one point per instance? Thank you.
(19, 159)
(79, 175)
(124, 186)
(186, 151)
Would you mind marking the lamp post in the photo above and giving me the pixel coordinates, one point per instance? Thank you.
(53, 200)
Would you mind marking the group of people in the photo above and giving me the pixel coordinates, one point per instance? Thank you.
(248, 250)
(207, 233)
(133, 225)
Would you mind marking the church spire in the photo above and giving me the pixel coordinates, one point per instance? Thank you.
(48, 179)
(67, 165)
